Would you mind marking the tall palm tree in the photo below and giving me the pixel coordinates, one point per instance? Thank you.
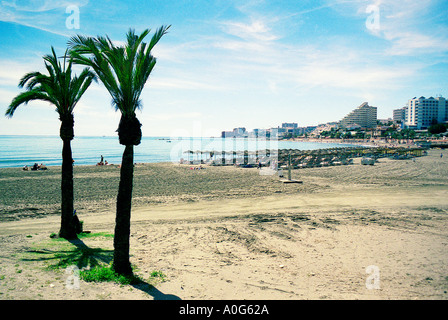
(124, 71)
(63, 91)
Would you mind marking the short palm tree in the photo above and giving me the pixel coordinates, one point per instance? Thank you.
(63, 91)
(124, 71)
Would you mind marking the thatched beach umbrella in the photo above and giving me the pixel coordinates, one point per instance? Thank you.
(190, 152)
(197, 152)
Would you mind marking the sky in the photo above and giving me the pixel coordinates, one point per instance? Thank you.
(228, 63)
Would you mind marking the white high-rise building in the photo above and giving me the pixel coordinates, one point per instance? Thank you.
(399, 115)
(421, 112)
(364, 116)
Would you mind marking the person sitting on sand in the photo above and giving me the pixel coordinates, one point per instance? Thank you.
(25, 168)
(101, 163)
(35, 167)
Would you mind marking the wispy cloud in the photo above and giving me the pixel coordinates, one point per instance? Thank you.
(40, 5)
(409, 43)
(344, 76)
(407, 25)
(12, 71)
(46, 15)
(176, 83)
(248, 53)
(255, 30)
(179, 115)
(308, 65)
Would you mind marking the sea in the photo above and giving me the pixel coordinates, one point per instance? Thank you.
(18, 151)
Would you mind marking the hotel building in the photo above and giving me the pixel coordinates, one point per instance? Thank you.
(399, 115)
(420, 113)
(364, 116)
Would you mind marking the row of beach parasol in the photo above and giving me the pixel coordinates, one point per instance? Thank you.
(298, 158)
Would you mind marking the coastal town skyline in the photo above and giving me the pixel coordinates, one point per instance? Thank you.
(229, 64)
(418, 113)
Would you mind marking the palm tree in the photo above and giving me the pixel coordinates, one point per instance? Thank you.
(63, 91)
(124, 71)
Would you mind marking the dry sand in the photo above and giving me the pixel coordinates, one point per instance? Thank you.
(229, 233)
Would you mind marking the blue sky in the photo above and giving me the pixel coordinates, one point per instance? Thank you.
(227, 64)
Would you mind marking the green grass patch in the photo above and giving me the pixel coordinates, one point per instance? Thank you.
(156, 277)
(84, 235)
(105, 273)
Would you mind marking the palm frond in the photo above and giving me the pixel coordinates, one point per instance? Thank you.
(58, 87)
(26, 97)
(31, 79)
(79, 85)
(123, 70)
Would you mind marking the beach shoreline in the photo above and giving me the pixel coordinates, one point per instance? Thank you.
(88, 150)
(231, 233)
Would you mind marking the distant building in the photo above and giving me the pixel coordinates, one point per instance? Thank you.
(399, 115)
(239, 132)
(384, 121)
(287, 125)
(259, 133)
(291, 128)
(236, 133)
(300, 131)
(324, 127)
(420, 113)
(227, 134)
(278, 132)
(364, 116)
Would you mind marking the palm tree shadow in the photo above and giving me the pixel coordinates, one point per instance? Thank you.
(84, 257)
(93, 255)
(154, 292)
(90, 257)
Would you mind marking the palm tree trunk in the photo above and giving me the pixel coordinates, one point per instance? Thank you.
(68, 230)
(121, 263)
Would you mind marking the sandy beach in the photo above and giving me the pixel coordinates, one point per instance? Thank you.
(231, 233)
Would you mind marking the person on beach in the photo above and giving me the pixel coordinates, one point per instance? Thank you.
(258, 163)
(101, 163)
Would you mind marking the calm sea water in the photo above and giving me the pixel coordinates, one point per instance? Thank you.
(18, 151)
